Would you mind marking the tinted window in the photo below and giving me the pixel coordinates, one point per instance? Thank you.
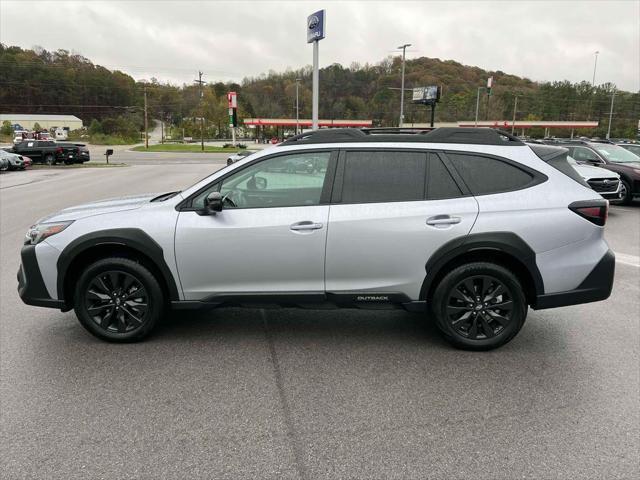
(383, 176)
(484, 175)
(440, 184)
(284, 181)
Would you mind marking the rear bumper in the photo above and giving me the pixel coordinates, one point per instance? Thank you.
(597, 286)
(31, 287)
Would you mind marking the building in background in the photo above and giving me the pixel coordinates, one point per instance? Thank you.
(27, 121)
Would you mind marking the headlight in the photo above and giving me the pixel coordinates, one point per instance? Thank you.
(39, 232)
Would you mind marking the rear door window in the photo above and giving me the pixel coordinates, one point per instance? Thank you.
(486, 175)
(383, 176)
(440, 183)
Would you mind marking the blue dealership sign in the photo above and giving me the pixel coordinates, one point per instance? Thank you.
(315, 26)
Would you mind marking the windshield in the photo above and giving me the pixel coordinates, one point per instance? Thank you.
(616, 154)
(249, 154)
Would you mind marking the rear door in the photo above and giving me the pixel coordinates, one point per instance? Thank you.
(391, 210)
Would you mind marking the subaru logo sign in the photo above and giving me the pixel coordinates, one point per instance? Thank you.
(315, 26)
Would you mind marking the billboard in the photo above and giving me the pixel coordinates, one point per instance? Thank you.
(315, 26)
(430, 94)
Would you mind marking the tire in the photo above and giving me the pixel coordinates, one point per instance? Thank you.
(116, 290)
(229, 161)
(49, 160)
(627, 195)
(494, 325)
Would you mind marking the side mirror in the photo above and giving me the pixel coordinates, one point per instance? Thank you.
(213, 203)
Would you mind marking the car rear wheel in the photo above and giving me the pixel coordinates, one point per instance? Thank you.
(479, 306)
(49, 160)
(118, 300)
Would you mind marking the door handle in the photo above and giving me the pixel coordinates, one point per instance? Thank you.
(443, 220)
(306, 225)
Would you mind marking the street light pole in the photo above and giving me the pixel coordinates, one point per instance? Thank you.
(297, 107)
(403, 48)
(595, 64)
(515, 109)
(478, 104)
(613, 95)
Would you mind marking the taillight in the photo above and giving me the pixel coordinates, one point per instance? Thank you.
(59, 150)
(596, 211)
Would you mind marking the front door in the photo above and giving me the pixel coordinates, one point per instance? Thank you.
(270, 236)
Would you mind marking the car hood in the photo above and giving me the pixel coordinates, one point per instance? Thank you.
(588, 171)
(99, 207)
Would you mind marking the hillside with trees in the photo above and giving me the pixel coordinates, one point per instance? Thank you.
(110, 102)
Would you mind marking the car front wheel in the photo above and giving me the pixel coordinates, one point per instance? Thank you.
(625, 193)
(118, 300)
(479, 306)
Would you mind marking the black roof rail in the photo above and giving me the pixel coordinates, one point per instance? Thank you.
(478, 136)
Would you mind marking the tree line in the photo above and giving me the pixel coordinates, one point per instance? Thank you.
(111, 101)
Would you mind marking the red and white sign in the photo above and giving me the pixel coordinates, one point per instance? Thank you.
(232, 99)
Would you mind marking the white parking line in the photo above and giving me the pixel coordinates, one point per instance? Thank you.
(627, 259)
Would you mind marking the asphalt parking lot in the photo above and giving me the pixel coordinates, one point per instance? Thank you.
(308, 394)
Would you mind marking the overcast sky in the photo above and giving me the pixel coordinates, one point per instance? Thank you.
(171, 40)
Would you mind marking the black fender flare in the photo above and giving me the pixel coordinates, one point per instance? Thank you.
(133, 238)
(503, 242)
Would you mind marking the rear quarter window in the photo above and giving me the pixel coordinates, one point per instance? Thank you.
(486, 175)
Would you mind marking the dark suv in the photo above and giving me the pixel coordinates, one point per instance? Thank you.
(612, 157)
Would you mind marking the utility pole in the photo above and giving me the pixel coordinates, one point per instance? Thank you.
(403, 48)
(595, 64)
(146, 123)
(200, 83)
(613, 95)
(515, 108)
(162, 127)
(478, 104)
(297, 107)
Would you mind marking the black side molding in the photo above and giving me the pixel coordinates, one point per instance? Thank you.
(133, 238)
(310, 300)
(504, 242)
(596, 287)
(31, 287)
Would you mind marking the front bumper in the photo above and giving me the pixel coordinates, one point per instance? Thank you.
(31, 287)
(597, 286)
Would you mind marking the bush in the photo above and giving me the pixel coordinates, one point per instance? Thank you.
(6, 129)
(231, 145)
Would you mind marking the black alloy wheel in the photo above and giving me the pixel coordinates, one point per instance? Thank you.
(117, 301)
(625, 193)
(479, 307)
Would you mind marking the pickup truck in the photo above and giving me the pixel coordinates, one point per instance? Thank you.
(50, 152)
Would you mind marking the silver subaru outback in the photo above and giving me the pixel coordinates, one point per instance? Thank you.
(468, 226)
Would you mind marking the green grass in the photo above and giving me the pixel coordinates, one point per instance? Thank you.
(181, 147)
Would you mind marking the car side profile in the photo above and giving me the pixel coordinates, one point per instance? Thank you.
(468, 226)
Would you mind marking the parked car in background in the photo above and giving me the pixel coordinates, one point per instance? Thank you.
(601, 180)
(612, 157)
(15, 161)
(28, 163)
(632, 147)
(237, 156)
(50, 152)
(74, 152)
